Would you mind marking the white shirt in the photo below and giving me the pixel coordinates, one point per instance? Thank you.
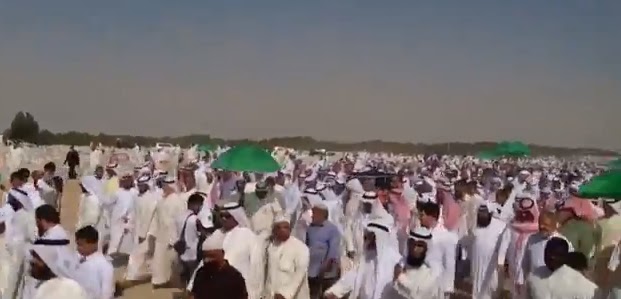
(535, 246)
(442, 256)
(96, 276)
(190, 235)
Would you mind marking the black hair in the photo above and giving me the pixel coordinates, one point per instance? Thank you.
(557, 246)
(24, 173)
(431, 209)
(88, 234)
(16, 176)
(47, 213)
(49, 166)
(195, 199)
(577, 260)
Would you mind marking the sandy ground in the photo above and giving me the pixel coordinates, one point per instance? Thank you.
(69, 212)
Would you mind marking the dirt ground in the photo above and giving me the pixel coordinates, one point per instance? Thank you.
(69, 212)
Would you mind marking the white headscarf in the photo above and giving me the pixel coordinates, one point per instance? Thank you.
(60, 288)
(387, 256)
(57, 256)
(238, 213)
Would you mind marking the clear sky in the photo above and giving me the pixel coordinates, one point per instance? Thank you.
(546, 72)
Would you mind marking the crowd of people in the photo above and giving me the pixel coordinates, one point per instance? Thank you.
(361, 227)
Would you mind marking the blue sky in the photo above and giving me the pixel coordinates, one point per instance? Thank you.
(546, 72)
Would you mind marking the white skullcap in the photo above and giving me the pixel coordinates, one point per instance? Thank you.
(281, 219)
(524, 172)
(214, 242)
(60, 287)
(420, 234)
(112, 165)
(143, 179)
(321, 206)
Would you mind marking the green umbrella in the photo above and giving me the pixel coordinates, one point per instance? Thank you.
(507, 149)
(488, 155)
(607, 185)
(246, 158)
(615, 164)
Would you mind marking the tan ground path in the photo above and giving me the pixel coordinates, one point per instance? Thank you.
(69, 212)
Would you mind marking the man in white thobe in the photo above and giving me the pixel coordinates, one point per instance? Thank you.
(239, 241)
(536, 243)
(485, 260)
(122, 203)
(6, 213)
(95, 272)
(144, 212)
(417, 280)
(556, 280)
(281, 265)
(169, 208)
(443, 251)
(22, 232)
(371, 277)
(54, 267)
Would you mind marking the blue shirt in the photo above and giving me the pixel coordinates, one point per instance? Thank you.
(324, 243)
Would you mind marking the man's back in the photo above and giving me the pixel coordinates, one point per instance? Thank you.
(223, 283)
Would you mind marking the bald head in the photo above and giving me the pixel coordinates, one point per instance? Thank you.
(548, 223)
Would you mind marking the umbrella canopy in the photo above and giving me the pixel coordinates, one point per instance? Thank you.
(607, 185)
(246, 158)
(615, 164)
(507, 149)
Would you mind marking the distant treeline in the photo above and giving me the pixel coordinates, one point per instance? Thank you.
(25, 127)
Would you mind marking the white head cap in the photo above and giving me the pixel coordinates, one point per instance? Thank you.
(60, 288)
(281, 219)
(214, 242)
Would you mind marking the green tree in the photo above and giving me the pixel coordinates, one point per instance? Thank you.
(24, 127)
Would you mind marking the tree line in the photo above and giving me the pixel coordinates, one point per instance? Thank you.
(25, 127)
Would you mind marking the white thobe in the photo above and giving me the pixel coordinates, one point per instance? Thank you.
(535, 246)
(5, 265)
(23, 231)
(513, 258)
(48, 193)
(563, 283)
(287, 270)
(95, 159)
(144, 212)
(33, 194)
(239, 245)
(485, 258)
(121, 236)
(164, 230)
(365, 280)
(96, 276)
(418, 283)
(442, 256)
(190, 235)
(263, 218)
(89, 211)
